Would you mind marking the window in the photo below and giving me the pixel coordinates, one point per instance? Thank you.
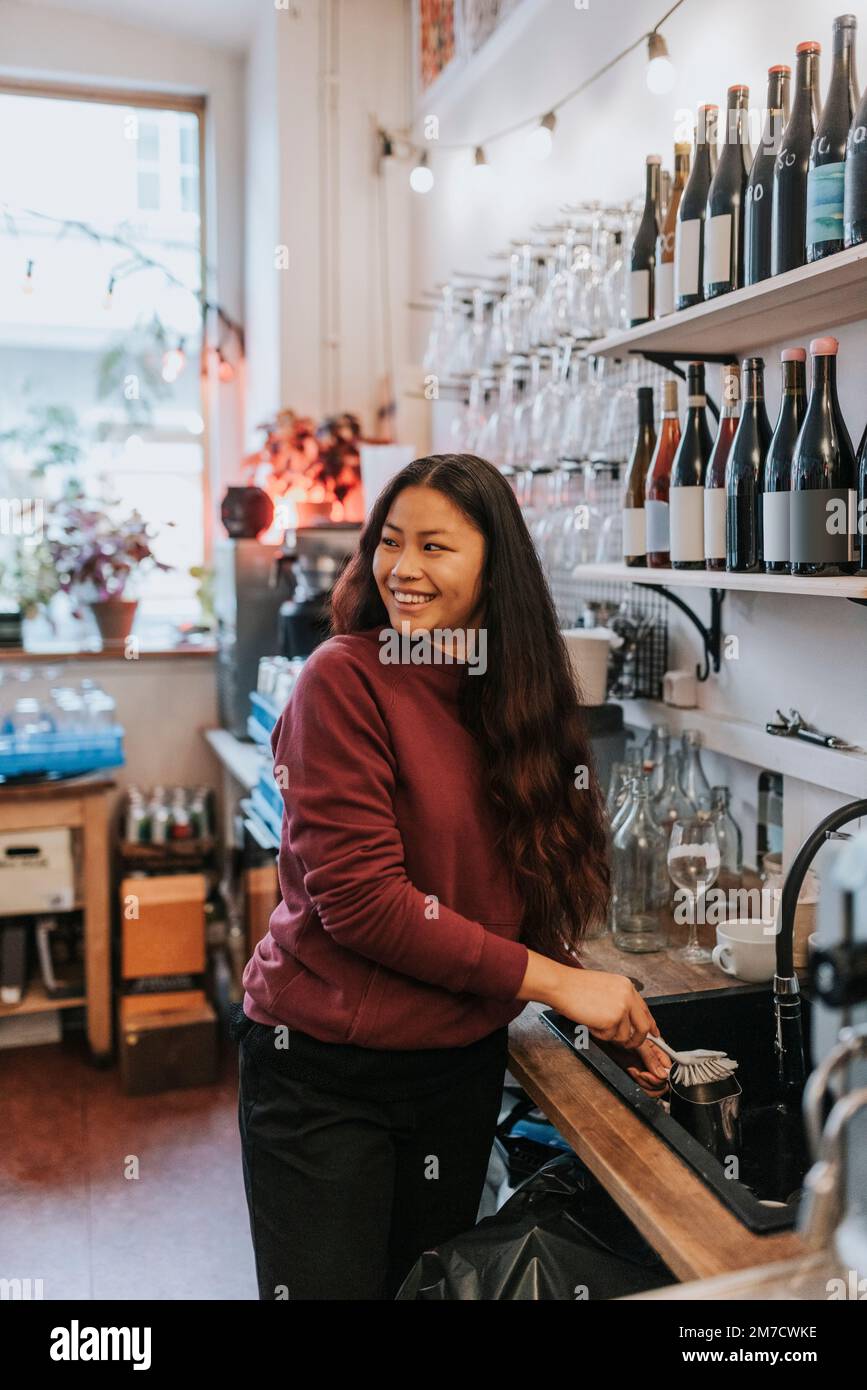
(100, 338)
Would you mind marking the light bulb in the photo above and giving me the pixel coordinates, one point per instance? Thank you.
(541, 140)
(421, 180)
(481, 168)
(174, 361)
(660, 73)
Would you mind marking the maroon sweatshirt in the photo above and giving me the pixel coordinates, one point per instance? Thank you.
(398, 925)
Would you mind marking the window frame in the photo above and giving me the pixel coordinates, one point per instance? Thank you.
(196, 105)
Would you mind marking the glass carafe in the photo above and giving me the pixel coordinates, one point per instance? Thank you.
(693, 782)
(728, 833)
(670, 804)
(639, 887)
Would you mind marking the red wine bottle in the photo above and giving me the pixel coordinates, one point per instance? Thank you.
(656, 488)
(634, 536)
(745, 473)
(777, 495)
(789, 209)
(826, 173)
(642, 265)
(723, 269)
(824, 500)
(855, 179)
(689, 239)
(760, 188)
(715, 478)
(663, 296)
(862, 504)
(686, 495)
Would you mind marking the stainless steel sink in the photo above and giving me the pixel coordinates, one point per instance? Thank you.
(774, 1156)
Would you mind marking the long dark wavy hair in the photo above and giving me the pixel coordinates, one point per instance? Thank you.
(524, 712)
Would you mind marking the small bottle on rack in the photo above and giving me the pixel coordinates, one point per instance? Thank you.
(688, 472)
(728, 833)
(639, 878)
(634, 537)
(715, 477)
(777, 494)
(745, 473)
(656, 490)
(642, 267)
(693, 782)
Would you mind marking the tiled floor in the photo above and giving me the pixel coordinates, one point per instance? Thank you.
(70, 1214)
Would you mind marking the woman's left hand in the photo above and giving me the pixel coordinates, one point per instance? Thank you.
(651, 1069)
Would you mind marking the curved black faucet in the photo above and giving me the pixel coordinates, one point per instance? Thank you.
(789, 1038)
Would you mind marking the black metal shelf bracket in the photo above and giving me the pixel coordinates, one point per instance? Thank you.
(711, 636)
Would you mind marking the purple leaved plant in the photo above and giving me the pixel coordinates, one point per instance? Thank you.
(94, 555)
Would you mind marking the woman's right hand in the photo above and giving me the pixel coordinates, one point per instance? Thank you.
(609, 1005)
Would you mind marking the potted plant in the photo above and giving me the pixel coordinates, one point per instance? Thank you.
(96, 556)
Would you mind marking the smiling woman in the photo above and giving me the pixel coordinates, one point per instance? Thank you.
(442, 856)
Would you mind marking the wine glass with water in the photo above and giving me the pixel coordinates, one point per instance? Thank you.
(693, 863)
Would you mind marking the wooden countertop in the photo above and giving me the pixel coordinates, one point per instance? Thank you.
(676, 1213)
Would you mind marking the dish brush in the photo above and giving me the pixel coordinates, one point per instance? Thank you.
(696, 1066)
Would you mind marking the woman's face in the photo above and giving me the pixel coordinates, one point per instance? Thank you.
(428, 563)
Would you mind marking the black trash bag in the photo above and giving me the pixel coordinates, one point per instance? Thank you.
(559, 1236)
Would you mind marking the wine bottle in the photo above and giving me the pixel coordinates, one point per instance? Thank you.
(777, 494)
(855, 179)
(663, 298)
(689, 241)
(686, 496)
(658, 480)
(824, 485)
(760, 188)
(862, 504)
(745, 473)
(726, 201)
(826, 173)
(634, 538)
(789, 207)
(643, 262)
(715, 478)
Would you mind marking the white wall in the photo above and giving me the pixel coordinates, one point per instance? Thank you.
(810, 653)
(320, 76)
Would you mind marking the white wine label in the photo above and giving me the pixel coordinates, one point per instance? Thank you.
(718, 248)
(853, 524)
(686, 507)
(663, 298)
(656, 518)
(714, 523)
(775, 525)
(633, 532)
(825, 203)
(686, 256)
(639, 294)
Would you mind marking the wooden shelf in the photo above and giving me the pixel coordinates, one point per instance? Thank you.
(793, 307)
(36, 1001)
(849, 586)
(832, 768)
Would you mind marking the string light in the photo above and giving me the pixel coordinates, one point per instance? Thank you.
(27, 283)
(481, 167)
(660, 78)
(421, 179)
(541, 141)
(660, 73)
(109, 294)
(174, 361)
(225, 370)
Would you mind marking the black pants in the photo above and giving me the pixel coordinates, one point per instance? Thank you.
(356, 1160)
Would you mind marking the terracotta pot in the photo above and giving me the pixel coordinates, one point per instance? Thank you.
(114, 618)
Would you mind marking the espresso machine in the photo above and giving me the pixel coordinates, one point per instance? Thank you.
(314, 557)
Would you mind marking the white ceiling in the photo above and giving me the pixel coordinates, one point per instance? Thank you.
(220, 23)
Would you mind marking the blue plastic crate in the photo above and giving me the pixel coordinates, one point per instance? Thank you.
(264, 712)
(60, 753)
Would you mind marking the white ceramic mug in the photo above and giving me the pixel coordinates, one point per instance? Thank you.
(747, 950)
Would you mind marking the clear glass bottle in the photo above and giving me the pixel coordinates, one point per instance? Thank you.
(655, 752)
(639, 878)
(728, 833)
(693, 782)
(670, 804)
